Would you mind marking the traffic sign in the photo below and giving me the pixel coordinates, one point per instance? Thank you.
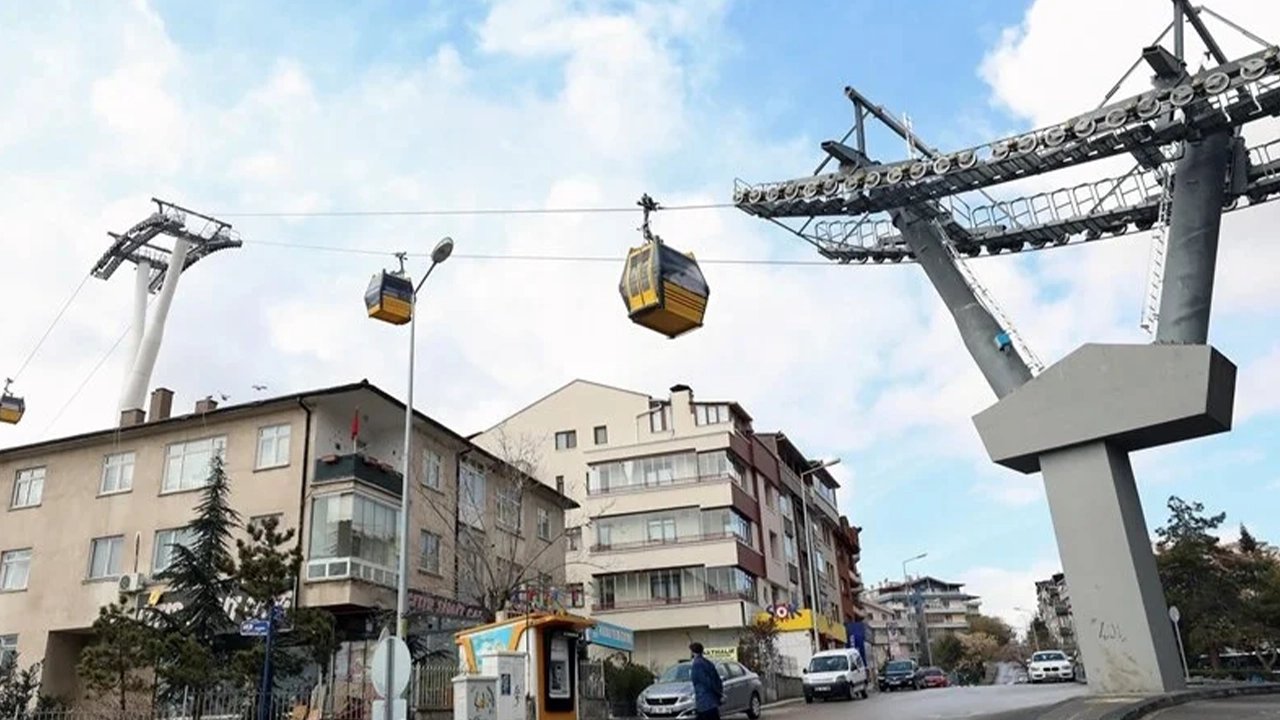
(254, 628)
(1174, 614)
(388, 648)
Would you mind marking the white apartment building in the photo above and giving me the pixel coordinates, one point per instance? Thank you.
(689, 524)
(934, 607)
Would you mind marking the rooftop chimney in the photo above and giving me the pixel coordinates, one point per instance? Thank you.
(129, 418)
(161, 404)
(206, 405)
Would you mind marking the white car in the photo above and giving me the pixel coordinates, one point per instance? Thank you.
(835, 674)
(1050, 665)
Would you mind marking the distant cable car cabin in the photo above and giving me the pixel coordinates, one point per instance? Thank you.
(390, 298)
(663, 288)
(11, 406)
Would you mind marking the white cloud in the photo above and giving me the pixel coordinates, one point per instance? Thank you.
(1003, 591)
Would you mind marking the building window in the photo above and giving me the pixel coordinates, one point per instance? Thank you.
(431, 463)
(716, 464)
(773, 545)
(429, 558)
(560, 484)
(28, 488)
(8, 649)
(604, 536)
(602, 435)
(770, 496)
(105, 556)
(660, 419)
(165, 551)
(575, 537)
(471, 496)
(710, 414)
(273, 447)
(260, 521)
(577, 597)
(509, 505)
(15, 566)
(187, 467)
(353, 536)
(117, 473)
(566, 439)
(544, 524)
(661, 530)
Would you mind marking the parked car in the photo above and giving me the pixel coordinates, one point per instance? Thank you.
(1051, 666)
(671, 696)
(900, 674)
(835, 674)
(934, 677)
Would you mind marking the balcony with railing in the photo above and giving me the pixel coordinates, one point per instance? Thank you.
(357, 467)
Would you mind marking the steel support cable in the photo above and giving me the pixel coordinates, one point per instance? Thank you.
(56, 318)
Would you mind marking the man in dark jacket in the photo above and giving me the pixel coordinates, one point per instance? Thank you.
(708, 691)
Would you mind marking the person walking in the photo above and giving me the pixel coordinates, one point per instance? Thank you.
(708, 690)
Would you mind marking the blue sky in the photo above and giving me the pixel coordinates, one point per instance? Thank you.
(232, 107)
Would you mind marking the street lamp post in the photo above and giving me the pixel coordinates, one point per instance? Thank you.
(442, 251)
(1031, 627)
(808, 537)
(400, 627)
(923, 624)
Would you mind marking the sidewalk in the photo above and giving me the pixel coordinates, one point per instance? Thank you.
(1226, 702)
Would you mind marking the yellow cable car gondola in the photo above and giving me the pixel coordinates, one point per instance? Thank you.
(11, 406)
(663, 288)
(390, 298)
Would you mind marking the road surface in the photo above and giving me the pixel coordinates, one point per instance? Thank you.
(973, 703)
(1258, 707)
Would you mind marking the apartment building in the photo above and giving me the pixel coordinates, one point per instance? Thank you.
(891, 634)
(1053, 607)
(90, 515)
(690, 523)
(936, 607)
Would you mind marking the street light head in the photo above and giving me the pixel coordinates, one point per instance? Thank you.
(443, 250)
(829, 462)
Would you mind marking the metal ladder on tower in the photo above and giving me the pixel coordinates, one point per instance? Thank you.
(1159, 248)
(988, 302)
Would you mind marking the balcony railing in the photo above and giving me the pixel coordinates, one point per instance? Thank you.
(659, 484)
(646, 603)
(359, 467)
(349, 568)
(664, 542)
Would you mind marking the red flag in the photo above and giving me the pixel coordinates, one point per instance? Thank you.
(355, 427)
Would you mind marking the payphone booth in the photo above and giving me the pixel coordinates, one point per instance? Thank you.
(541, 647)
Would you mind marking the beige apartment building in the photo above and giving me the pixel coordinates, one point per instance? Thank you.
(90, 516)
(934, 607)
(690, 523)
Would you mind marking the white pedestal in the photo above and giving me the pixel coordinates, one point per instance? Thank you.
(510, 670)
(474, 697)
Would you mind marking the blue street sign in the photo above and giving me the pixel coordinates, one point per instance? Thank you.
(254, 628)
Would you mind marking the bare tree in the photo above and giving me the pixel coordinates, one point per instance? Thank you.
(509, 534)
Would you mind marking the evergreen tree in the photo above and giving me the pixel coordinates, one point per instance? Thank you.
(270, 562)
(115, 665)
(201, 574)
(17, 688)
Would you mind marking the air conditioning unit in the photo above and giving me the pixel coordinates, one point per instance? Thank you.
(133, 583)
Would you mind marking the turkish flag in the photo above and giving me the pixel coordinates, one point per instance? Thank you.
(355, 425)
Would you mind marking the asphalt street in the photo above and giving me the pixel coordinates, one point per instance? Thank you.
(1260, 707)
(1002, 702)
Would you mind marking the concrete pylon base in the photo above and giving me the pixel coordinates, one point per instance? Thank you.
(1077, 422)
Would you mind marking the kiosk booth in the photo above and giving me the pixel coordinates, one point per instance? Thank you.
(524, 668)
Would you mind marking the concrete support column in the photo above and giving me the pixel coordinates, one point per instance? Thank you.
(1192, 256)
(1125, 637)
(1003, 368)
(1077, 423)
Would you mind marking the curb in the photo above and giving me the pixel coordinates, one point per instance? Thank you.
(780, 703)
(1146, 707)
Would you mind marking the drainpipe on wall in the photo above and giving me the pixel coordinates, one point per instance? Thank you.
(302, 502)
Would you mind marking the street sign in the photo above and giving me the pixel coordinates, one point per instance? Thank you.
(1174, 614)
(254, 628)
(403, 666)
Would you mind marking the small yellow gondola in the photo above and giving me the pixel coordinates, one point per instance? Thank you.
(390, 298)
(11, 406)
(664, 290)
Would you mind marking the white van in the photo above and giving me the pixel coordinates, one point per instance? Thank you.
(835, 673)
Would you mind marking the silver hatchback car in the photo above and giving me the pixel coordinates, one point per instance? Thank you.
(671, 696)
